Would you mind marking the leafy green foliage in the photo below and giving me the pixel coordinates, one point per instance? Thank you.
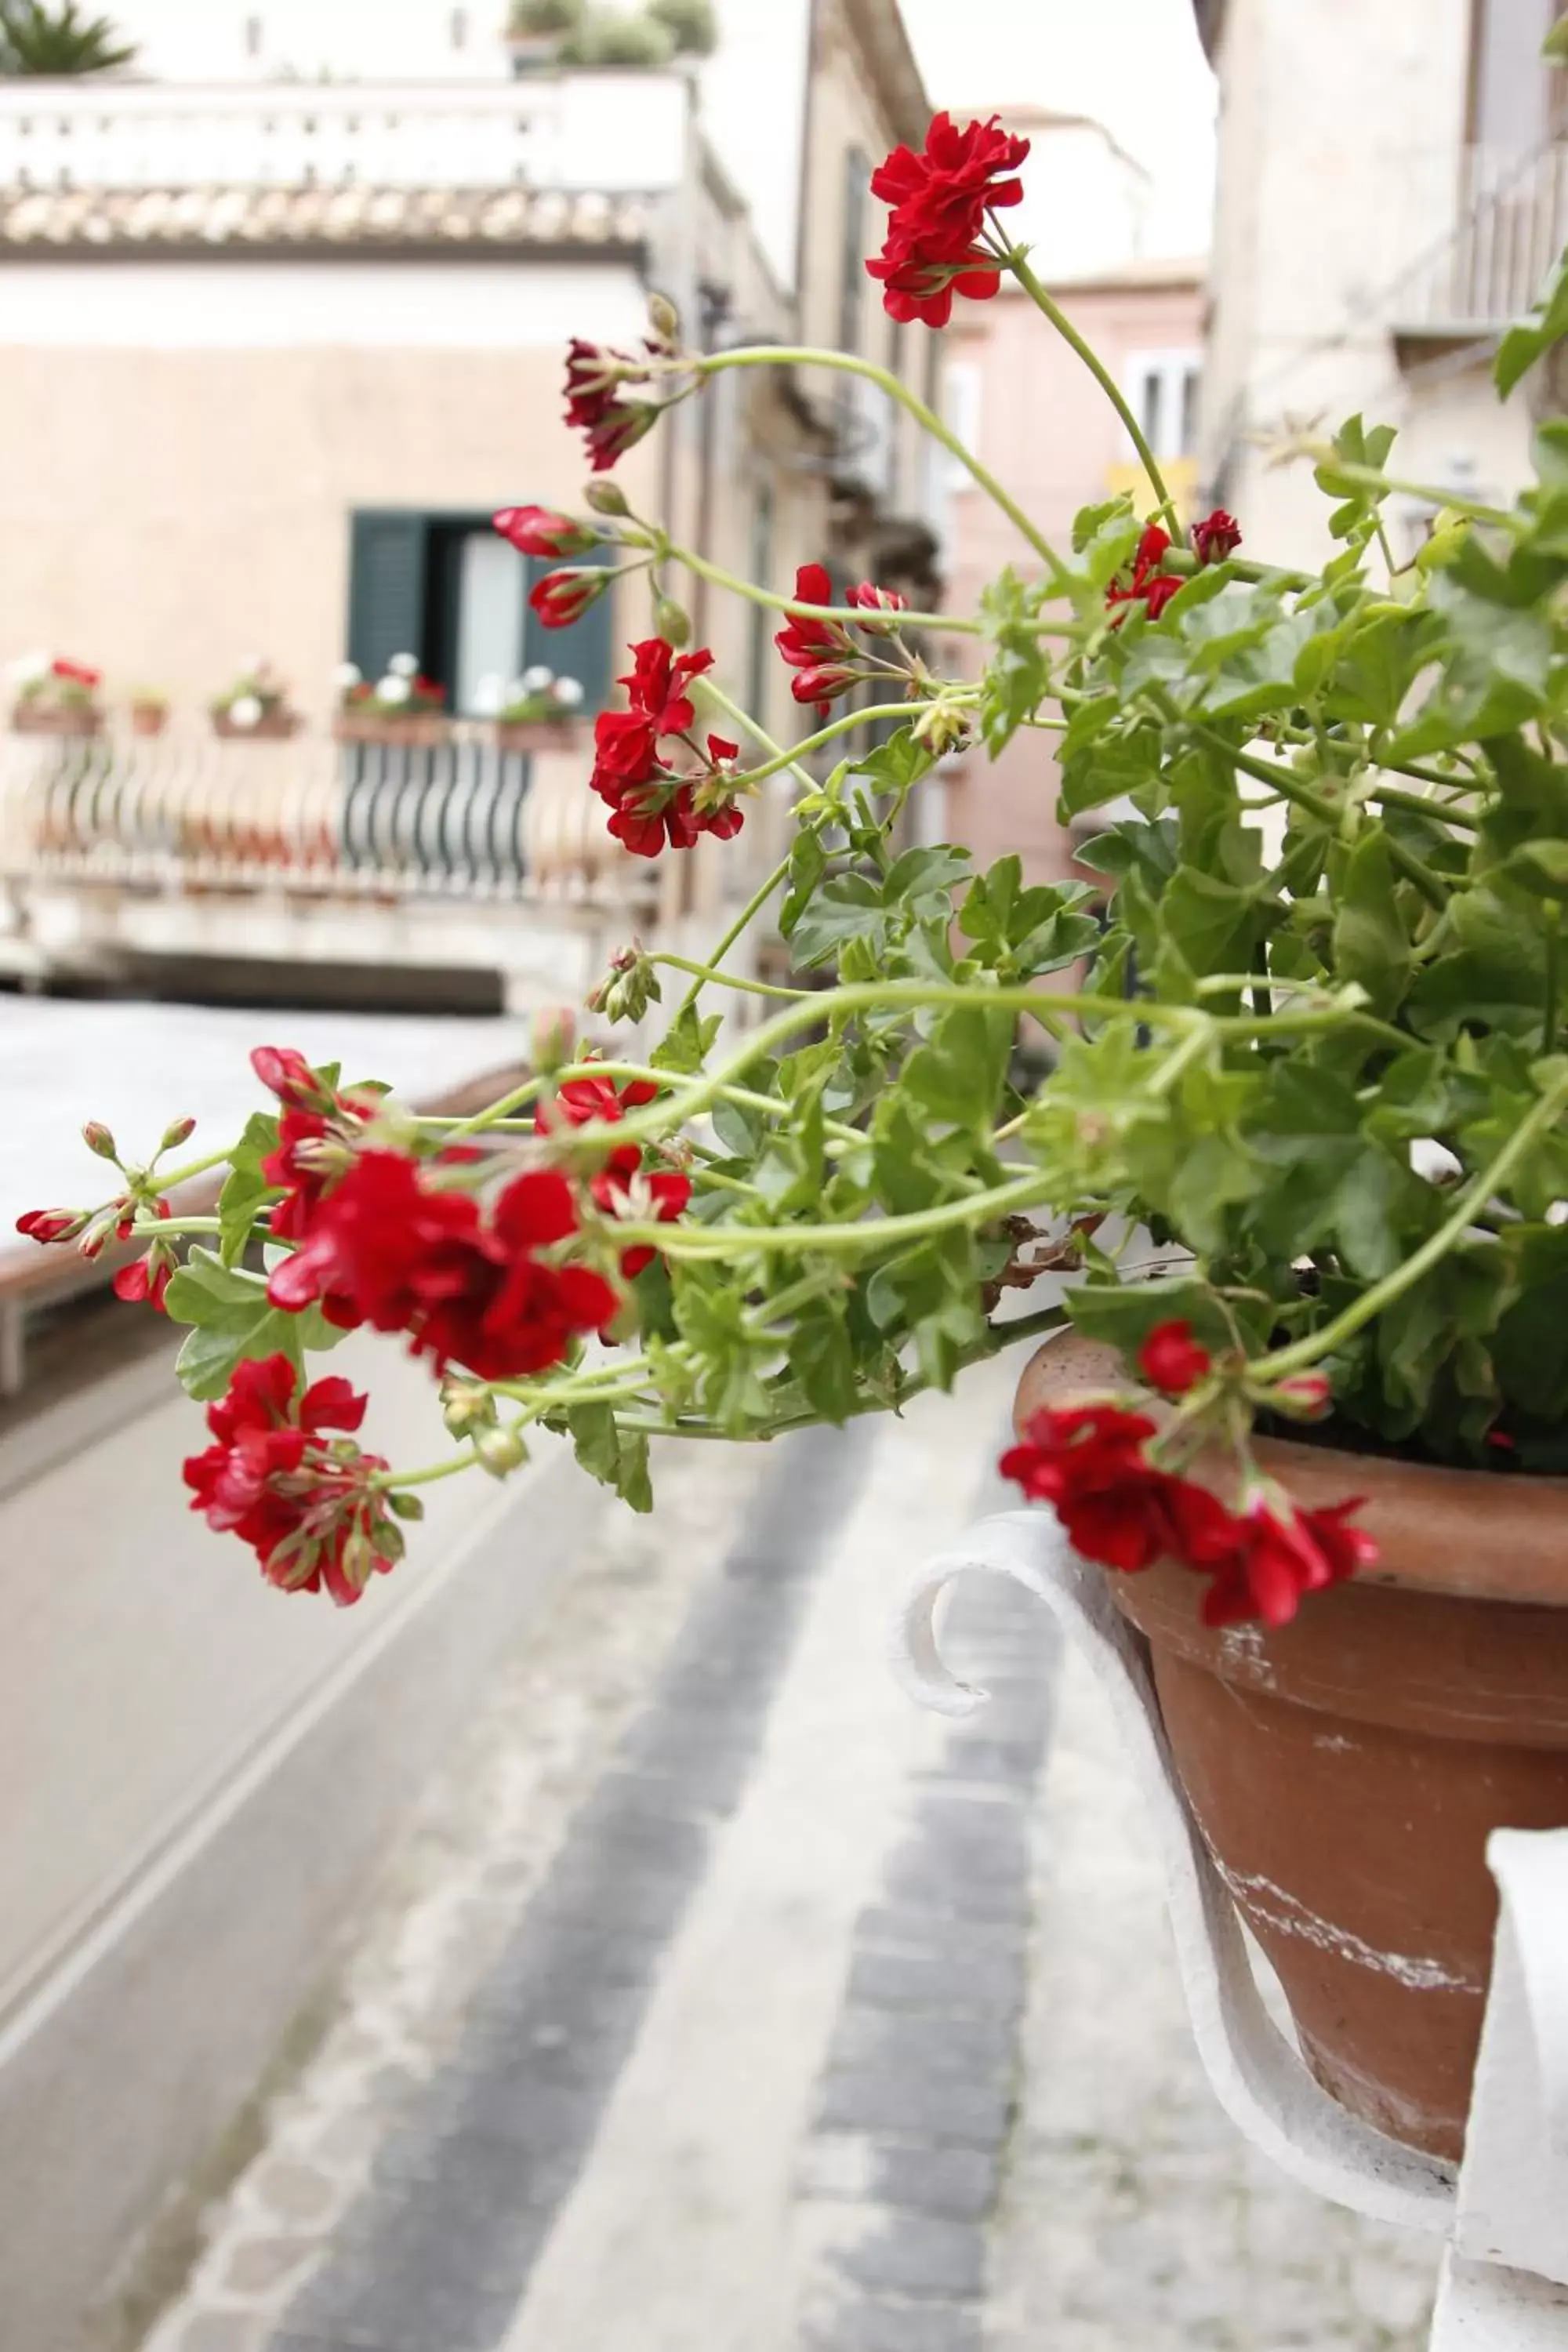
(1547, 323)
(36, 38)
(230, 1319)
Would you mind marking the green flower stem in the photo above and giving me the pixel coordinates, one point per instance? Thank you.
(154, 1228)
(1553, 979)
(1420, 804)
(633, 1127)
(862, 1238)
(1283, 780)
(1371, 1304)
(1069, 334)
(706, 973)
(956, 624)
(480, 1119)
(193, 1169)
(464, 1459)
(1450, 501)
(845, 363)
(843, 726)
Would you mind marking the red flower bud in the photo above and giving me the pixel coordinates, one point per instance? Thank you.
(289, 1076)
(1217, 536)
(1172, 1361)
(178, 1131)
(97, 1138)
(52, 1224)
(562, 597)
(1306, 1393)
(539, 530)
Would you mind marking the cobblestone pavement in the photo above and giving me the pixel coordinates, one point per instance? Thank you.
(722, 2003)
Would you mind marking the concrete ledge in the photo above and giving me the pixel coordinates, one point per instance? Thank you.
(121, 2070)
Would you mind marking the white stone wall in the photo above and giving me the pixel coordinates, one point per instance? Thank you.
(1341, 132)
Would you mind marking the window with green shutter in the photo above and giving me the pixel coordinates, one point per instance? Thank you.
(441, 586)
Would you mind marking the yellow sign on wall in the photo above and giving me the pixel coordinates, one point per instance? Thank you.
(1181, 480)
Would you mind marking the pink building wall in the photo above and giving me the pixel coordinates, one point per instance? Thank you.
(1046, 430)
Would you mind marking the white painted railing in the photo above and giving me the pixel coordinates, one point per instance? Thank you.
(171, 815)
(1478, 232)
(613, 132)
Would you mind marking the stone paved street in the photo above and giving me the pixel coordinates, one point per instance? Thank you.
(720, 2001)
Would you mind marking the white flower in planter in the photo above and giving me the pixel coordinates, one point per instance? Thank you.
(403, 666)
(245, 711)
(489, 695)
(393, 687)
(536, 680)
(568, 692)
(28, 668)
(347, 674)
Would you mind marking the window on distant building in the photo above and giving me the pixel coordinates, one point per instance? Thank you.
(459, 27)
(762, 622)
(445, 588)
(253, 37)
(1514, 95)
(1161, 390)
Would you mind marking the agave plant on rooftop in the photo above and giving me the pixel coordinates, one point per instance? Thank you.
(37, 38)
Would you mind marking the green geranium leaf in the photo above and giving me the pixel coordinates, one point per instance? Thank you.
(232, 1320)
(1532, 336)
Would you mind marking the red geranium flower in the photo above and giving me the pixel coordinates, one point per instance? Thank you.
(643, 1197)
(52, 1224)
(318, 1133)
(389, 1248)
(872, 599)
(1172, 1360)
(823, 654)
(77, 672)
(1148, 586)
(1088, 1462)
(304, 1501)
(939, 199)
(1278, 1555)
(596, 406)
(539, 530)
(1217, 536)
(562, 597)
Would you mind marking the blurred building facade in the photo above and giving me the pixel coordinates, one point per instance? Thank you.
(283, 314)
(1392, 187)
(1026, 403)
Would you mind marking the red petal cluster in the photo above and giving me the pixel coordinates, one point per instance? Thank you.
(653, 806)
(624, 1187)
(77, 673)
(145, 1279)
(52, 1224)
(823, 654)
(388, 1247)
(596, 404)
(318, 1133)
(1148, 586)
(939, 199)
(1217, 536)
(1172, 1360)
(301, 1500)
(1091, 1462)
(539, 530)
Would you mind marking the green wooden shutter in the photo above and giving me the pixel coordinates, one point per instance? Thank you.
(586, 650)
(386, 588)
(852, 264)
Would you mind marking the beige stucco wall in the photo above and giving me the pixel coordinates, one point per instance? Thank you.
(1340, 131)
(1052, 439)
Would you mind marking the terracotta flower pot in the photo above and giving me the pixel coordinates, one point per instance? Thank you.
(148, 718)
(425, 732)
(272, 726)
(535, 735)
(1347, 1769)
(56, 719)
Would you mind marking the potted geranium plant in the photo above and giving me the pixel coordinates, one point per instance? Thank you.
(55, 696)
(255, 708)
(1300, 1143)
(536, 28)
(402, 707)
(149, 710)
(538, 712)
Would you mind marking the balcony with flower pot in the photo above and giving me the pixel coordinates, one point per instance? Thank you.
(54, 695)
(535, 712)
(402, 708)
(254, 708)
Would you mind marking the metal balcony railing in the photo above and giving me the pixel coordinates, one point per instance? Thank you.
(459, 821)
(1484, 228)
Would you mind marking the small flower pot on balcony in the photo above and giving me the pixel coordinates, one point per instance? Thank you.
(536, 735)
(56, 719)
(149, 717)
(425, 732)
(1347, 1768)
(272, 726)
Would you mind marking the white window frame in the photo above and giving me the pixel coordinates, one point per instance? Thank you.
(1172, 363)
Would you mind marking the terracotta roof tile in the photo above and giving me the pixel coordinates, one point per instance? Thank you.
(93, 218)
